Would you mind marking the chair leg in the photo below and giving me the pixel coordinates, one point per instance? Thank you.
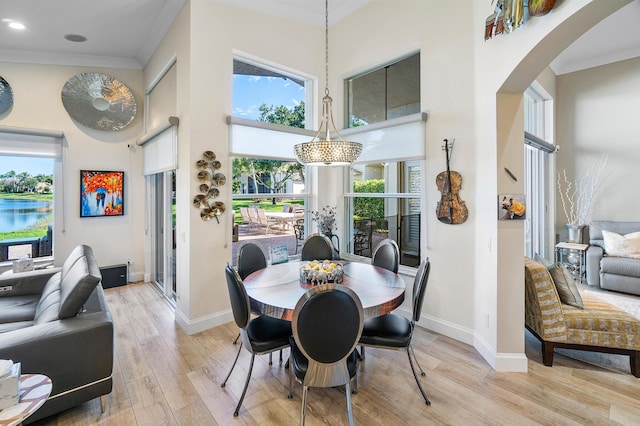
(349, 411)
(246, 385)
(103, 402)
(290, 380)
(361, 352)
(236, 339)
(634, 361)
(280, 356)
(232, 367)
(547, 354)
(415, 376)
(422, 373)
(354, 390)
(270, 359)
(304, 404)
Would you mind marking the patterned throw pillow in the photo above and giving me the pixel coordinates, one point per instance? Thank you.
(564, 282)
(566, 286)
(622, 245)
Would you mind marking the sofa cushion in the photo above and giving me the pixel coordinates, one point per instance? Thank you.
(563, 281)
(620, 266)
(622, 245)
(566, 286)
(18, 308)
(49, 303)
(601, 324)
(77, 285)
(77, 253)
(621, 227)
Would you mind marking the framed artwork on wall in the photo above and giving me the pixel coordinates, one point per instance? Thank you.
(101, 193)
(512, 207)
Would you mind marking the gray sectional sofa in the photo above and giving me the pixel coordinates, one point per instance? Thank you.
(56, 322)
(611, 272)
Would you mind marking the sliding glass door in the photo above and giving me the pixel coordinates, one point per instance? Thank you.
(163, 222)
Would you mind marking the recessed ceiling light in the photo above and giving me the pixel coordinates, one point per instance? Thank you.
(14, 24)
(75, 38)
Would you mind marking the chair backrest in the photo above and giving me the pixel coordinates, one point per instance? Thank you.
(420, 287)
(244, 212)
(298, 228)
(387, 255)
(286, 208)
(262, 217)
(238, 297)
(250, 258)
(253, 215)
(327, 324)
(317, 247)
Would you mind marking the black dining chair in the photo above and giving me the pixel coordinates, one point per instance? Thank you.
(387, 255)
(298, 228)
(317, 247)
(259, 336)
(327, 323)
(393, 331)
(251, 257)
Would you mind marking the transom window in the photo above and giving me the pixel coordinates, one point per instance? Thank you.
(390, 91)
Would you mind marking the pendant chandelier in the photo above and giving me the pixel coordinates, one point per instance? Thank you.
(322, 150)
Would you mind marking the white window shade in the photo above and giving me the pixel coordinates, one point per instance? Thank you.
(257, 139)
(30, 142)
(160, 151)
(391, 140)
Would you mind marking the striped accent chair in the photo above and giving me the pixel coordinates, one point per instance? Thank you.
(599, 327)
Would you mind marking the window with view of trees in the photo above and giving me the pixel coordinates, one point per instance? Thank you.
(276, 185)
(26, 207)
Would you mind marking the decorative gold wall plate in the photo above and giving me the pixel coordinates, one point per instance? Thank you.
(6, 95)
(99, 101)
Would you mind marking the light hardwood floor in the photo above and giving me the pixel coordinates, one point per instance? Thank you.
(163, 376)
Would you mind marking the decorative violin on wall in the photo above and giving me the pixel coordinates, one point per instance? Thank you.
(450, 209)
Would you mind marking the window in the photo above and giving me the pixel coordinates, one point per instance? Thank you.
(265, 94)
(388, 92)
(385, 203)
(385, 185)
(26, 207)
(537, 175)
(269, 186)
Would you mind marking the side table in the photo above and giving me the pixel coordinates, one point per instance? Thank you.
(575, 254)
(33, 390)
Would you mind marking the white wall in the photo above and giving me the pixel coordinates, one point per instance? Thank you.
(472, 91)
(37, 105)
(599, 114)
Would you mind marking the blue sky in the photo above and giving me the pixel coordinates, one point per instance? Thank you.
(249, 92)
(31, 165)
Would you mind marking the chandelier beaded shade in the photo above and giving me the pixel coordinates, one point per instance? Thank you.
(322, 150)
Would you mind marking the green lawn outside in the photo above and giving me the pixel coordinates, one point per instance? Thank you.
(266, 204)
(27, 196)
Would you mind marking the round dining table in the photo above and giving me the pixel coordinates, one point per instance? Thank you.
(276, 289)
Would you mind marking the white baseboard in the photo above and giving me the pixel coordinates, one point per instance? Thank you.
(134, 277)
(514, 362)
(203, 323)
(501, 361)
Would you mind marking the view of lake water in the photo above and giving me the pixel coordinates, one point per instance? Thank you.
(20, 214)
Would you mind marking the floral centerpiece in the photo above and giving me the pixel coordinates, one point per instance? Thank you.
(321, 272)
(325, 219)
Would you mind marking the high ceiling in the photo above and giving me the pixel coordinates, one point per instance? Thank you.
(124, 33)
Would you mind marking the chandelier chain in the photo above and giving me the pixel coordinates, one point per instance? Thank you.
(326, 47)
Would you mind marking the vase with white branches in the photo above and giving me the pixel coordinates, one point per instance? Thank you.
(577, 195)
